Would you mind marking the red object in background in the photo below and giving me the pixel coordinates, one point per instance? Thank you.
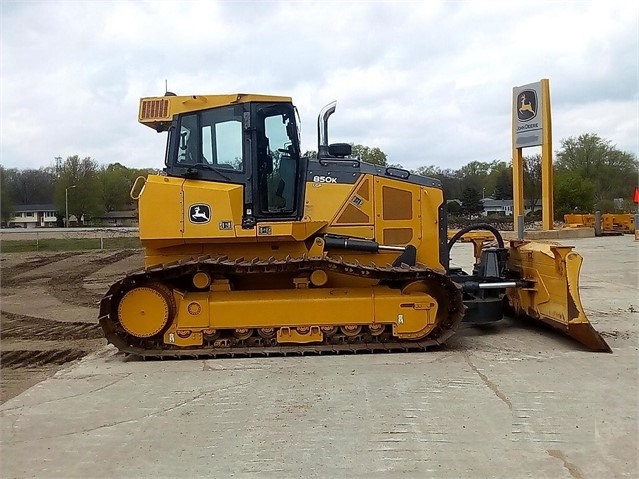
(636, 198)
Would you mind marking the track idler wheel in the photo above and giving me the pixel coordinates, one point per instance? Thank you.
(146, 310)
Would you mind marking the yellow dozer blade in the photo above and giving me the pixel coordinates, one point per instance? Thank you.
(553, 297)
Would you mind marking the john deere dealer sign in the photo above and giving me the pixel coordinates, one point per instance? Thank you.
(527, 115)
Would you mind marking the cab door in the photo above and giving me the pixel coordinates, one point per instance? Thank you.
(279, 172)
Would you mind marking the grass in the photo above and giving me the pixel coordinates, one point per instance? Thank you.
(23, 246)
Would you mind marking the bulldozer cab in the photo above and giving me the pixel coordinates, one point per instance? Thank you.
(254, 144)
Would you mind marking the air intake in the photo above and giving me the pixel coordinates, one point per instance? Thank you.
(156, 109)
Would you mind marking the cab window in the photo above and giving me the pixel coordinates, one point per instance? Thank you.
(214, 138)
(277, 165)
(187, 141)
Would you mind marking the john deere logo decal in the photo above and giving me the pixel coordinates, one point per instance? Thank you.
(527, 105)
(199, 213)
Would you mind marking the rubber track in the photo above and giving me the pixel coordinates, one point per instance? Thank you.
(223, 266)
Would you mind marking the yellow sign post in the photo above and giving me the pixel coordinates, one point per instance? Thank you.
(532, 127)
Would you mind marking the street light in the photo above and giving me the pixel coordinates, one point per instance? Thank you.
(66, 205)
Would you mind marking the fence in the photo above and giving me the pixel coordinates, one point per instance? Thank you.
(71, 239)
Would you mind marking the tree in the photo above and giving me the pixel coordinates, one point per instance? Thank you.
(30, 187)
(500, 180)
(474, 175)
(368, 154)
(476, 169)
(532, 180)
(373, 155)
(6, 202)
(116, 185)
(573, 194)
(85, 198)
(450, 180)
(612, 172)
(454, 208)
(504, 186)
(429, 171)
(471, 202)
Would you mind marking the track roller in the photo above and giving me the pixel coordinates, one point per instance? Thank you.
(243, 333)
(351, 330)
(376, 329)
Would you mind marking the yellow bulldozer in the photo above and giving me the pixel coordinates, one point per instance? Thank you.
(253, 249)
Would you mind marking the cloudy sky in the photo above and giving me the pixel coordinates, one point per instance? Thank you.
(430, 83)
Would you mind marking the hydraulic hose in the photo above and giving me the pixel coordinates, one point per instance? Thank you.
(479, 226)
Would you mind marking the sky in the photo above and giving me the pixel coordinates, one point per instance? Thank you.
(428, 82)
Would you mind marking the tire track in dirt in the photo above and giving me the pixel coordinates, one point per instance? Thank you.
(27, 327)
(67, 284)
(10, 272)
(69, 288)
(34, 358)
(33, 349)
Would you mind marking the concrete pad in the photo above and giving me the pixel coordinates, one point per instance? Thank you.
(511, 400)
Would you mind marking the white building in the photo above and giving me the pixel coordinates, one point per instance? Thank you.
(497, 207)
(34, 216)
(504, 207)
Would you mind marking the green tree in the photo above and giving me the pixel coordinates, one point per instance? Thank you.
(612, 172)
(364, 153)
(429, 171)
(500, 180)
(504, 186)
(369, 154)
(475, 175)
(452, 183)
(6, 202)
(471, 202)
(450, 179)
(30, 187)
(573, 194)
(532, 180)
(454, 208)
(115, 180)
(80, 178)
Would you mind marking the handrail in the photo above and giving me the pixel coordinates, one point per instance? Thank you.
(135, 184)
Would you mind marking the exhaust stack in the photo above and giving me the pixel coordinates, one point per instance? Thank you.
(322, 129)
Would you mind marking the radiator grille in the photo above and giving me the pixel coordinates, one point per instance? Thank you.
(154, 109)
